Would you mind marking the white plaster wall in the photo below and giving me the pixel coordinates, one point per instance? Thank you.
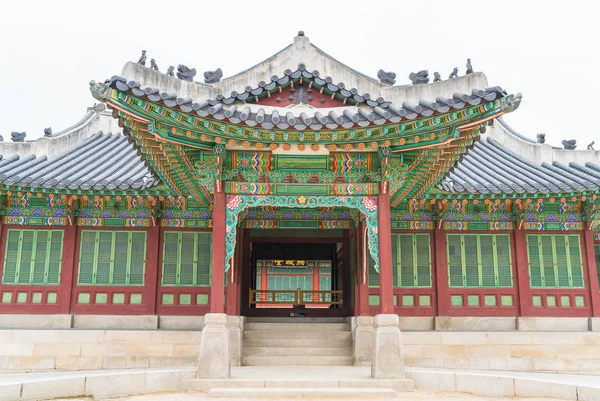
(540, 153)
(98, 121)
(302, 51)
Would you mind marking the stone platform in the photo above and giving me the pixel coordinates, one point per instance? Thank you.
(316, 382)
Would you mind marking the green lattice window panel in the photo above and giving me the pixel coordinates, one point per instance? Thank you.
(112, 258)
(33, 257)
(555, 261)
(411, 254)
(325, 283)
(597, 248)
(187, 259)
(284, 283)
(479, 261)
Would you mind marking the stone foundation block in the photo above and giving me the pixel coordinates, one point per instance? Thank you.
(54, 388)
(364, 340)
(234, 325)
(488, 386)
(553, 323)
(10, 392)
(536, 388)
(112, 322)
(588, 393)
(112, 385)
(388, 360)
(416, 323)
(475, 323)
(36, 321)
(214, 360)
(167, 381)
(595, 324)
(440, 381)
(181, 322)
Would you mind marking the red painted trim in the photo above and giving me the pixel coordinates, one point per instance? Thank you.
(217, 294)
(592, 273)
(386, 291)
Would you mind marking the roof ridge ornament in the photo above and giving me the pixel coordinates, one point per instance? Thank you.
(469, 67)
(454, 73)
(18, 136)
(142, 60)
(100, 91)
(388, 78)
(185, 73)
(510, 103)
(212, 77)
(591, 145)
(570, 144)
(419, 78)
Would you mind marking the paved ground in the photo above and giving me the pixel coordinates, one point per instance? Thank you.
(416, 396)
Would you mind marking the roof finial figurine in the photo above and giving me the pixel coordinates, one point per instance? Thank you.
(454, 73)
(212, 77)
(570, 144)
(469, 67)
(541, 138)
(142, 59)
(419, 78)
(170, 71)
(436, 77)
(48, 132)
(18, 136)
(153, 65)
(591, 146)
(186, 74)
(300, 33)
(388, 78)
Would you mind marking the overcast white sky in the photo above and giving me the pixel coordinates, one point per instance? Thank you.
(547, 50)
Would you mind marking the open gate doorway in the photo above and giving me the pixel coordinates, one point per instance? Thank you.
(296, 276)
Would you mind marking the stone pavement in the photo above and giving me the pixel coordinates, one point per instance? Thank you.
(416, 396)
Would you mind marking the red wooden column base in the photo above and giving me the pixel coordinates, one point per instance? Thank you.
(386, 290)
(217, 289)
(152, 267)
(362, 282)
(590, 257)
(68, 275)
(520, 246)
(441, 272)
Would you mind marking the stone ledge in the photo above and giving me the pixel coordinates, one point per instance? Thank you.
(111, 322)
(25, 321)
(553, 324)
(181, 322)
(475, 323)
(417, 323)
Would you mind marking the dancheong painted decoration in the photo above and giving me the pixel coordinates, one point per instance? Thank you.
(176, 197)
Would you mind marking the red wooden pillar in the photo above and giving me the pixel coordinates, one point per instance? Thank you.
(441, 272)
(217, 289)
(590, 257)
(362, 253)
(522, 261)
(386, 290)
(152, 267)
(235, 278)
(68, 273)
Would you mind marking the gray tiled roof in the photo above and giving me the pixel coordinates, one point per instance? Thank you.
(370, 111)
(492, 168)
(103, 161)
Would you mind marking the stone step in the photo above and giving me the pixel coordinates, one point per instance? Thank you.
(256, 360)
(297, 326)
(299, 319)
(297, 392)
(296, 351)
(297, 342)
(303, 334)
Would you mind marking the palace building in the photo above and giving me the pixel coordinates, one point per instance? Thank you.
(298, 187)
